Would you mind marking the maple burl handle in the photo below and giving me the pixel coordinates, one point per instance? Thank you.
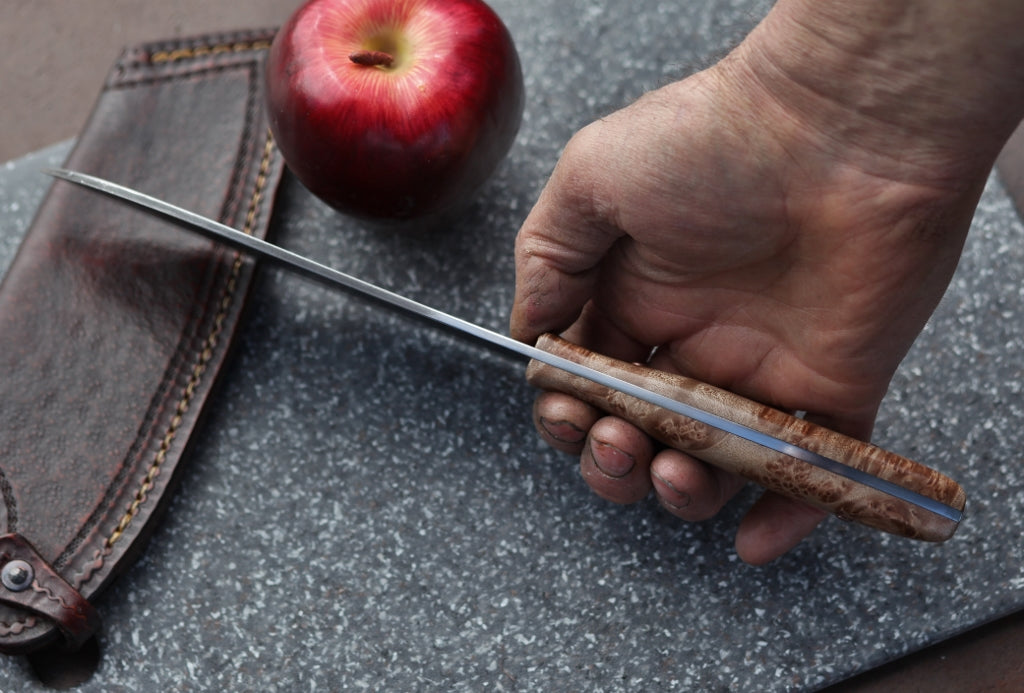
(773, 470)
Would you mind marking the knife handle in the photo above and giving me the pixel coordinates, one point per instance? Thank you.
(773, 470)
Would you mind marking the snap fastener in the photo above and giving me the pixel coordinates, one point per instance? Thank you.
(17, 575)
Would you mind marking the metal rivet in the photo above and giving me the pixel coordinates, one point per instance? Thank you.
(17, 575)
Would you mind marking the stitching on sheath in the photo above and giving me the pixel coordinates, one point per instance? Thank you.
(200, 51)
(39, 587)
(205, 355)
(10, 503)
(43, 589)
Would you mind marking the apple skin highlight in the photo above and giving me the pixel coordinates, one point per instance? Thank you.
(394, 140)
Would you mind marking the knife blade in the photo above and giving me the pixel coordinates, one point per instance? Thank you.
(852, 479)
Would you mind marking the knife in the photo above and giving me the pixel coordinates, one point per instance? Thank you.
(852, 479)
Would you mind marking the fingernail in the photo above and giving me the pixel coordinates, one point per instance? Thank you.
(563, 431)
(611, 460)
(668, 494)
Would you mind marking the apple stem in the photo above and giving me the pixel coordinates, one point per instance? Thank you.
(372, 58)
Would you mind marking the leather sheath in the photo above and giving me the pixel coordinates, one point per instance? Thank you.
(114, 325)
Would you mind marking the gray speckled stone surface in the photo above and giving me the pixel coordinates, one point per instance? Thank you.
(367, 506)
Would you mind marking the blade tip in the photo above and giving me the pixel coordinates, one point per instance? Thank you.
(58, 173)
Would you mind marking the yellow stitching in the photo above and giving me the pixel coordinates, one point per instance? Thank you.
(209, 345)
(199, 51)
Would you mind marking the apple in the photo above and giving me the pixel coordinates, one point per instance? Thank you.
(394, 110)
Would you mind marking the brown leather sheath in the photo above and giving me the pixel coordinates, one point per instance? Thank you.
(114, 325)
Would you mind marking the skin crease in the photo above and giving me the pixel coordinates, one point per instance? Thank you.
(781, 225)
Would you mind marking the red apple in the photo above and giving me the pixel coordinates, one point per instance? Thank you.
(394, 109)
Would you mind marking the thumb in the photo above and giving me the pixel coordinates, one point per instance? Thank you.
(559, 250)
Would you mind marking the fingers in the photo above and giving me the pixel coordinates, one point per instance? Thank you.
(561, 244)
(773, 526)
(689, 488)
(563, 422)
(616, 461)
(620, 464)
(615, 456)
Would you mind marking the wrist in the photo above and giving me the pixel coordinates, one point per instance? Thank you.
(936, 85)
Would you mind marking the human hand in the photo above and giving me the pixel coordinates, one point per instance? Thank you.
(735, 235)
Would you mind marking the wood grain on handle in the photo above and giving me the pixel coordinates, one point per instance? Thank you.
(773, 470)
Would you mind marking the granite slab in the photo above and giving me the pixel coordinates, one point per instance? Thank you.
(367, 506)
